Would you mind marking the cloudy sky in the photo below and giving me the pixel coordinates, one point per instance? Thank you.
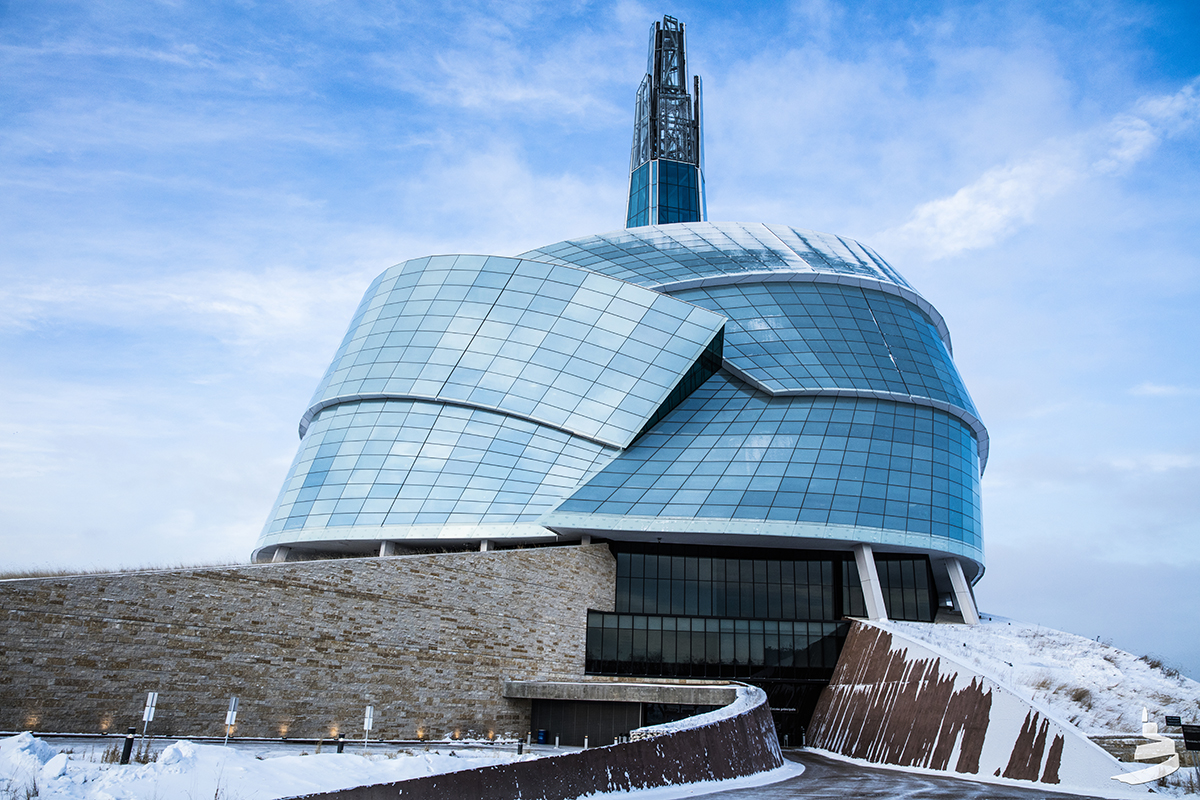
(193, 197)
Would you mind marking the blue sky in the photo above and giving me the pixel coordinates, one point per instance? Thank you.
(194, 196)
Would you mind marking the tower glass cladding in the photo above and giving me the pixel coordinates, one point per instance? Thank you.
(666, 165)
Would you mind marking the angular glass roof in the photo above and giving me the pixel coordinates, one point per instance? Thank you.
(553, 344)
(658, 255)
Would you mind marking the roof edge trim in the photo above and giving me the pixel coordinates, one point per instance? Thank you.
(342, 399)
(647, 529)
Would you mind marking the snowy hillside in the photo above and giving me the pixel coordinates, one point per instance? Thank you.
(1098, 688)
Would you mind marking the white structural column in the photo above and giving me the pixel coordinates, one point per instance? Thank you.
(962, 592)
(387, 548)
(485, 545)
(868, 576)
(281, 555)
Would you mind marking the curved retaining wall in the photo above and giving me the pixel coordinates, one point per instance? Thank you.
(717, 748)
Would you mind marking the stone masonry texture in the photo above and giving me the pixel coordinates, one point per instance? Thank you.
(428, 640)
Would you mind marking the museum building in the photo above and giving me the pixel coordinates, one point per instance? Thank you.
(765, 425)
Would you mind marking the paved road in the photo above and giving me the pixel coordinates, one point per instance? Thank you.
(826, 777)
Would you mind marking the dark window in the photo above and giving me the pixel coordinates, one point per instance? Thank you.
(678, 192)
(697, 647)
(907, 584)
(704, 612)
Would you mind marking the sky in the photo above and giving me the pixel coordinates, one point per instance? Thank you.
(193, 197)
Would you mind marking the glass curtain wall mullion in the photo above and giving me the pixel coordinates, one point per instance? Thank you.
(714, 582)
(700, 647)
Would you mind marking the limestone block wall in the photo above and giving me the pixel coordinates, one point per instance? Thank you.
(893, 700)
(428, 640)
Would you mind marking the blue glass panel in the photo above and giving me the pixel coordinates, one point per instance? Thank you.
(678, 192)
(639, 197)
(675, 467)
(506, 355)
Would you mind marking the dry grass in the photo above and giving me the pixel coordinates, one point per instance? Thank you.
(1157, 663)
(1082, 696)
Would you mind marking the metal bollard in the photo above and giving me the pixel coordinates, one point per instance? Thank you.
(127, 750)
(520, 748)
(555, 742)
(585, 742)
(341, 742)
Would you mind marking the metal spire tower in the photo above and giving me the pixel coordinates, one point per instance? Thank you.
(666, 167)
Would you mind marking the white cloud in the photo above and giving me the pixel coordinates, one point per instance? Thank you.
(1000, 201)
(1162, 390)
(1155, 462)
(1006, 198)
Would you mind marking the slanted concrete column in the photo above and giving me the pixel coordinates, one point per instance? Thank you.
(281, 555)
(585, 539)
(963, 598)
(486, 545)
(387, 548)
(869, 577)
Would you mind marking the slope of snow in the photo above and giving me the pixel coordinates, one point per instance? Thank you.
(1094, 686)
(186, 769)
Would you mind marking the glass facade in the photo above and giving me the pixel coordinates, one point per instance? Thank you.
(797, 336)
(639, 197)
(371, 463)
(678, 192)
(724, 613)
(718, 582)
(720, 384)
(557, 345)
(682, 647)
(807, 465)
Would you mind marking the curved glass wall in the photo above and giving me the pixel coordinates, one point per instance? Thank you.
(376, 463)
(805, 465)
(797, 336)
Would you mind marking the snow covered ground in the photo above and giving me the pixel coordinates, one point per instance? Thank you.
(30, 767)
(1094, 686)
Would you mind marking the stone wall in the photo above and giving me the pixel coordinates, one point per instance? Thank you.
(427, 640)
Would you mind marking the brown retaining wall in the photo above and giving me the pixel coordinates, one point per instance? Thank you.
(729, 748)
(892, 700)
